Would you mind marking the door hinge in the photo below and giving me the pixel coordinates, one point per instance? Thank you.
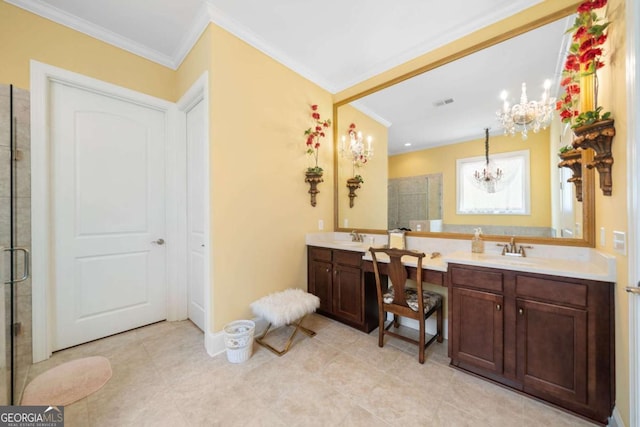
(18, 155)
(17, 329)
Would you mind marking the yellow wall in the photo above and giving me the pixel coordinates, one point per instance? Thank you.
(370, 205)
(25, 36)
(259, 111)
(443, 159)
(611, 211)
(260, 205)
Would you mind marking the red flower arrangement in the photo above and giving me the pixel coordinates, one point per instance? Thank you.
(314, 134)
(584, 58)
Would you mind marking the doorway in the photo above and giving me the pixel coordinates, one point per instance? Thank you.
(195, 105)
(44, 238)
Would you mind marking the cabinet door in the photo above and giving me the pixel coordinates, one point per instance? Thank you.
(347, 293)
(477, 328)
(552, 350)
(320, 283)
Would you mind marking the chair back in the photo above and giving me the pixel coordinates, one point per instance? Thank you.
(397, 274)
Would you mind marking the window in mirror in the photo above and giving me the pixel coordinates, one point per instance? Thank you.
(512, 192)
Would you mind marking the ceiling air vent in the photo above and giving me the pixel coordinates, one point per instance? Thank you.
(442, 102)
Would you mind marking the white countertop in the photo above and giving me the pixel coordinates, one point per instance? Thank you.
(564, 261)
(428, 263)
(593, 269)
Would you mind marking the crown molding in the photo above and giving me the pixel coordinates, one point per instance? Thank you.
(358, 105)
(243, 33)
(197, 27)
(83, 26)
(501, 11)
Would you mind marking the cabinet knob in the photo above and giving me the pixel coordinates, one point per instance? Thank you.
(498, 307)
(328, 270)
(520, 311)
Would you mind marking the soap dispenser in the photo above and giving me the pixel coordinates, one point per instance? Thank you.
(477, 244)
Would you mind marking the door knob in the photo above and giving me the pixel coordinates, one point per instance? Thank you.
(520, 311)
(159, 242)
(498, 307)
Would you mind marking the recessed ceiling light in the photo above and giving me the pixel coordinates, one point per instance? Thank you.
(407, 144)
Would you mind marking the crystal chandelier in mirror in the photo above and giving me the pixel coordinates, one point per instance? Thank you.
(490, 175)
(356, 151)
(527, 115)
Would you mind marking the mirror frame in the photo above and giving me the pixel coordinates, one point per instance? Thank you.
(517, 24)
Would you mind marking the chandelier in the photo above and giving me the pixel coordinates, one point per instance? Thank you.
(490, 175)
(527, 115)
(356, 151)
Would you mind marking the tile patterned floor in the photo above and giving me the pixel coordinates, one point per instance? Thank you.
(162, 376)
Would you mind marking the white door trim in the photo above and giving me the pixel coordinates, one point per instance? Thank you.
(41, 220)
(633, 172)
(199, 91)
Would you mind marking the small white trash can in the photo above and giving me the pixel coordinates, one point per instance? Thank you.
(238, 338)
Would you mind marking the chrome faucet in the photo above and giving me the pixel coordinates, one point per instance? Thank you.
(357, 237)
(512, 249)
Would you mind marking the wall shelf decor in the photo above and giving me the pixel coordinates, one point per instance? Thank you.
(572, 160)
(313, 179)
(598, 136)
(353, 184)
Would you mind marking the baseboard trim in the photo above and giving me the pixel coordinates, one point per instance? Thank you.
(616, 419)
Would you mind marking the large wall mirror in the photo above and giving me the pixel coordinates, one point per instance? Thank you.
(424, 125)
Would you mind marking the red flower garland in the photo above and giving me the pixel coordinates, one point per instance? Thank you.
(584, 58)
(314, 134)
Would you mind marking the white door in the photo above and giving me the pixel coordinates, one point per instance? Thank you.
(196, 213)
(108, 214)
(567, 196)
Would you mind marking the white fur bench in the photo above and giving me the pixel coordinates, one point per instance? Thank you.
(288, 307)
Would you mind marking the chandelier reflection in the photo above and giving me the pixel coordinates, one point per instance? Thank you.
(527, 115)
(490, 175)
(356, 151)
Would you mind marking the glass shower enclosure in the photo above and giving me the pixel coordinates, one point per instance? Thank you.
(15, 241)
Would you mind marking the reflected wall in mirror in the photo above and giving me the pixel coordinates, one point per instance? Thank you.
(370, 206)
(430, 120)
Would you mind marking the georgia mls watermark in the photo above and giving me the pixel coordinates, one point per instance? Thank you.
(31, 416)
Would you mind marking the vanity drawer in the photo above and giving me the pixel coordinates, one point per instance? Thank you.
(550, 290)
(476, 278)
(320, 254)
(347, 258)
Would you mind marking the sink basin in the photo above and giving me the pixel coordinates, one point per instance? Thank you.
(347, 243)
(507, 260)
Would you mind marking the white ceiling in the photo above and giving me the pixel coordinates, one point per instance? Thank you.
(336, 44)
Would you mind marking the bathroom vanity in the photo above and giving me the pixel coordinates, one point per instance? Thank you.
(543, 326)
(335, 276)
(548, 336)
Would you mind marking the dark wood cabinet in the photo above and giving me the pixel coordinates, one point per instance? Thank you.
(547, 336)
(336, 277)
(319, 282)
(477, 334)
(552, 350)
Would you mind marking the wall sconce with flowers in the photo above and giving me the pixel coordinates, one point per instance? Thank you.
(313, 175)
(358, 154)
(593, 128)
